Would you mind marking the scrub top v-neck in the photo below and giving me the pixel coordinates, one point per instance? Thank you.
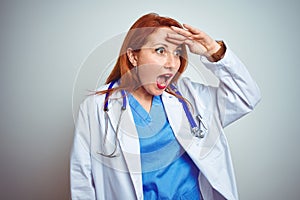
(167, 170)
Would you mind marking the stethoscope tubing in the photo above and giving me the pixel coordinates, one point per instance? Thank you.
(195, 129)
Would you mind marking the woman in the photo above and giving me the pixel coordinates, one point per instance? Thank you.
(151, 134)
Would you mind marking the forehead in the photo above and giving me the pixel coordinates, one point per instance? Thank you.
(159, 36)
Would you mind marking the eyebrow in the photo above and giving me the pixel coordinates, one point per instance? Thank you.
(163, 44)
(160, 43)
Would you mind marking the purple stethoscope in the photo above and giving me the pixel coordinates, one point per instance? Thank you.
(195, 129)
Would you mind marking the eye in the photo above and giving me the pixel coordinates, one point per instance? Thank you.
(160, 50)
(178, 52)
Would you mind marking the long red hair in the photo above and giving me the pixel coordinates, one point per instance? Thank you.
(135, 39)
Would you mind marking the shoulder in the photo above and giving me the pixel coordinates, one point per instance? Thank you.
(186, 85)
(198, 94)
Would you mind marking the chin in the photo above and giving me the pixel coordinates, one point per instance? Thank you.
(154, 90)
(158, 92)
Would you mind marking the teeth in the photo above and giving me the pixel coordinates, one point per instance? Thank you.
(167, 76)
(162, 80)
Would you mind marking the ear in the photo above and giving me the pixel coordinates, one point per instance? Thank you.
(132, 56)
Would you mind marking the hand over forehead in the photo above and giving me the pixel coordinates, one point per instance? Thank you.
(197, 41)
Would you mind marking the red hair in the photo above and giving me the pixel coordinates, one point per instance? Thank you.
(135, 39)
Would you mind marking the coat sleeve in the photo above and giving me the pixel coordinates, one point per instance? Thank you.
(237, 93)
(82, 186)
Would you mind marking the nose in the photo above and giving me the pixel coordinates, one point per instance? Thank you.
(172, 61)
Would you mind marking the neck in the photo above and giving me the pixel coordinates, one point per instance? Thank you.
(144, 98)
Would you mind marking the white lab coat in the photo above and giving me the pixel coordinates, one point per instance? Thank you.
(94, 176)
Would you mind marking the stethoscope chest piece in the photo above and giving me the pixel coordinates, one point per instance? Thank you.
(197, 130)
(200, 130)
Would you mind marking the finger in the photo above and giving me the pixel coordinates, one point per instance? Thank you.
(198, 34)
(190, 43)
(175, 41)
(176, 36)
(192, 29)
(181, 31)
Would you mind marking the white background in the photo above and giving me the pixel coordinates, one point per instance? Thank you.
(45, 44)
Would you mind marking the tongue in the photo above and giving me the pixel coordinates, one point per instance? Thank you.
(161, 82)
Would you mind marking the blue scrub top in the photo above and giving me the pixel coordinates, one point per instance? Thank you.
(167, 170)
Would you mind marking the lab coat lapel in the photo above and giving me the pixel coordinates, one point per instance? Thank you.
(173, 110)
(178, 120)
(128, 139)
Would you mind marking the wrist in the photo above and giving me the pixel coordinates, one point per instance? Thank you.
(219, 53)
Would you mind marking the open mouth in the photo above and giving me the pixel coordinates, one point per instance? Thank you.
(163, 80)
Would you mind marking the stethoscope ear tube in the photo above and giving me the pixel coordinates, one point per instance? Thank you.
(105, 108)
(113, 153)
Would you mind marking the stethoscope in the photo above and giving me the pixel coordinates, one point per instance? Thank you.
(195, 129)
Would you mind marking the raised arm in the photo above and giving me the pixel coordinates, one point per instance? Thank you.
(237, 93)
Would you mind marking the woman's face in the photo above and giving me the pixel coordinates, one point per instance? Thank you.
(157, 62)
